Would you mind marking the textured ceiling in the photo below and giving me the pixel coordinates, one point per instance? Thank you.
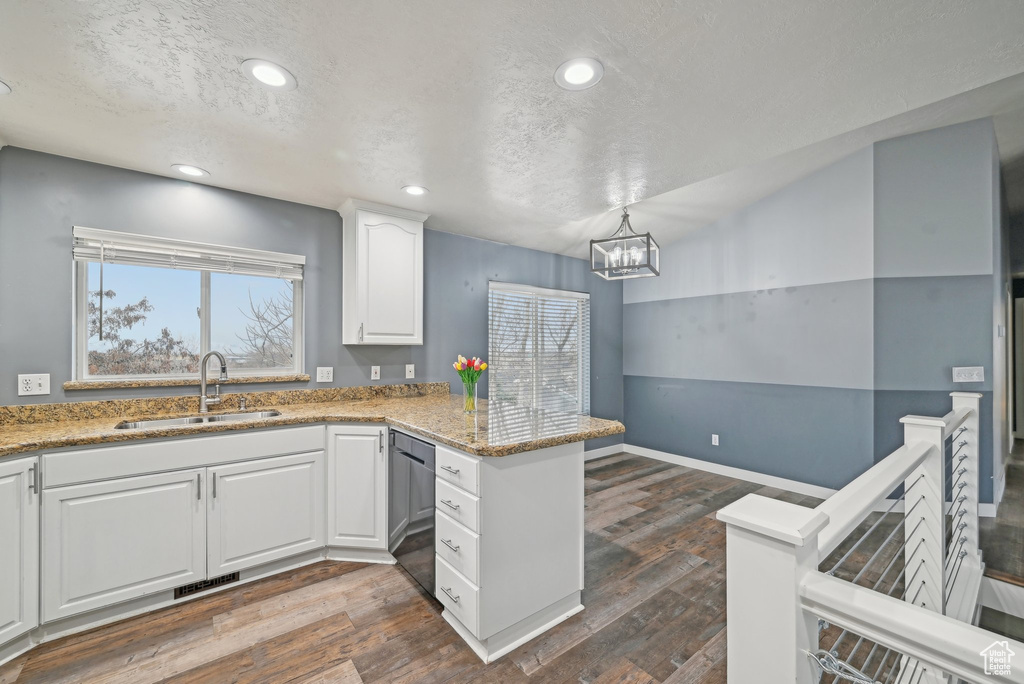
(671, 215)
(457, 95)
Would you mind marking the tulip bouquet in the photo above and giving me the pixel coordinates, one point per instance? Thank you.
(470, 371)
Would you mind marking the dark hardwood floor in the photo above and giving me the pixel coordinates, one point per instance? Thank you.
(655, 609)
(1002, 537)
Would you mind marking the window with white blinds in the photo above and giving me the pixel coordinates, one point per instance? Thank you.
(539, 347)
(150, 307)
(113, 247)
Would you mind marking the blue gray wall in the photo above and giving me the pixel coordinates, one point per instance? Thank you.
(42, 196)
(940, 288)
(761, 331)
(801, 328)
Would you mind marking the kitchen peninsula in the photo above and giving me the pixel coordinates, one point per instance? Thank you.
(129, 519)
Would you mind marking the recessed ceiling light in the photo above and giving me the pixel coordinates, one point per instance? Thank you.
(579, 74)
(4, 88)
(189, 170)
(269, 75)
(415, 189)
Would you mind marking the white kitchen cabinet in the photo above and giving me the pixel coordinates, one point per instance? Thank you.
(357, 493)
(19, 539)
(264, 510)
(509, 544)
(382, 274)
(105, 542)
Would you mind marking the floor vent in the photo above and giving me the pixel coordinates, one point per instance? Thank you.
(205, 585)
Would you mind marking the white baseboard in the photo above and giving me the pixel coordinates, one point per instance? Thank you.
(591, 454)
(730, 471)
(984, 510)
(511, 638)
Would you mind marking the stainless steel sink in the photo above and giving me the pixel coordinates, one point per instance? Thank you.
(195, 420)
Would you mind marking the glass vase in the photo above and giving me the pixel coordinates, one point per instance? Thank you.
(469, 396)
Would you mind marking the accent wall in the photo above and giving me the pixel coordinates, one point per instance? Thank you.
(802, 327)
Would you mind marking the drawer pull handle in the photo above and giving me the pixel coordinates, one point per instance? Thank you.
(452, 596)
(448, 543)
(450, 505)
(453, 471)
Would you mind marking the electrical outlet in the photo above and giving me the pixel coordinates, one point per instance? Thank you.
(410, 370)
(375, 372)
(33, 384)
(325, 373)
(968, 374)
(714, 440)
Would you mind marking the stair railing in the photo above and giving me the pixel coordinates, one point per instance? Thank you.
(914, 596)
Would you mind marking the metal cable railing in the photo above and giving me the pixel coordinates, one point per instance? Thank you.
(880, 550)
(898, 570)
(877, 551)
(958, 500)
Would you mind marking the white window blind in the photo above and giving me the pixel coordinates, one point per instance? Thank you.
(539, 347)
(112, 247)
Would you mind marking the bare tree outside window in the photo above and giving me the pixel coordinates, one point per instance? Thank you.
(157, 330)
(124, 355)
(267, 340)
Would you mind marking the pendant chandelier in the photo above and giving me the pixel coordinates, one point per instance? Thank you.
(625, 254)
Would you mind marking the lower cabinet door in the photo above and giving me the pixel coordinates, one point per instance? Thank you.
(264, 510)
(19, 548)
(111, 541)
(357, 487)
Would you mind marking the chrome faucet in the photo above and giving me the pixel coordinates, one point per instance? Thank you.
(204, 399)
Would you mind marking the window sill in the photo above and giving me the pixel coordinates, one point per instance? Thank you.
(178, 382)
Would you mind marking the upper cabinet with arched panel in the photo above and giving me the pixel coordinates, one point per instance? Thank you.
(382, 277)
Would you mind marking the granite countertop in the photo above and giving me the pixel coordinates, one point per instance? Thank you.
(493, 431)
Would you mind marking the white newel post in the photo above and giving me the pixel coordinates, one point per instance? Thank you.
(925, 522)
(771, 546)
(970, 439)
(925, 525)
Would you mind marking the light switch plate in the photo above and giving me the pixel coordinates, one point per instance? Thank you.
(968, 374)
(375, 372)
(714, 440)
(410, 370)
(325, 373)
(33, 384)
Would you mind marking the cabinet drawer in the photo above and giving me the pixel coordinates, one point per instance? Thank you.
(461, 471)
(458, 595)
(458, 546)
(459, 505)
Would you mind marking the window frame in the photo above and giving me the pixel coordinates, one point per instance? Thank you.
(81, 333)
(583, 360)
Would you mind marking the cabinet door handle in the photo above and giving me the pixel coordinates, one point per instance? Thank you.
(199, 486)
(33, 485)
(452, 596)
(448, 543)
(453, 471)
(380, 443)
(360, 332)
(450, 505)
(215, 485)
